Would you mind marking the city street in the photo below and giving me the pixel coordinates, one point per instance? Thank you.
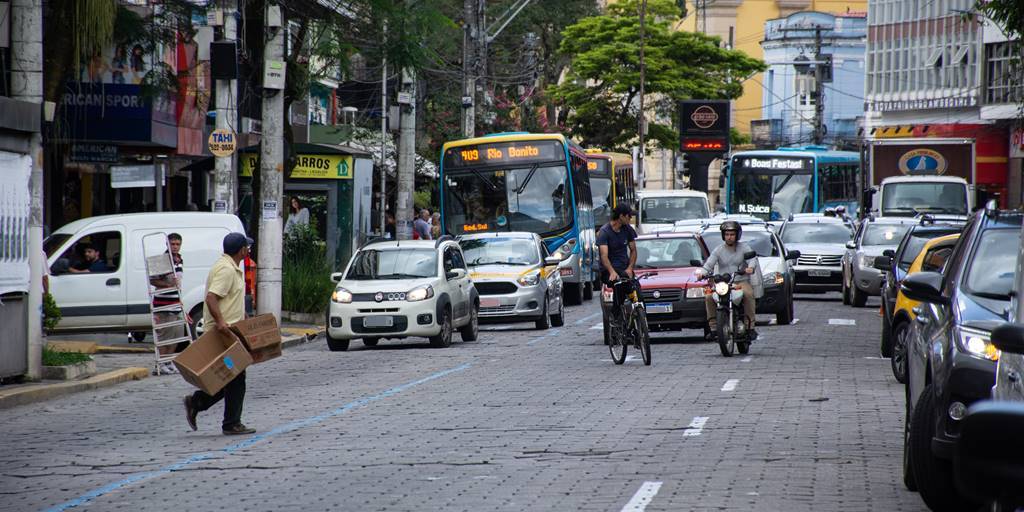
(521, 420)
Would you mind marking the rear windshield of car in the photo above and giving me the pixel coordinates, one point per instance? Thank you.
(815, 233)
(884, 234)
(667, 252)
(500, 251)
(393, 264)
(994, 264)
(760, 241)
(916, 243)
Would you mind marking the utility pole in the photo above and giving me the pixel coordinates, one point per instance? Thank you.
(384, 136)
(643, 72)
(470, 54)
(27, 85)
(819, 89)
(405, 208)
(225, 179)
(268, 268)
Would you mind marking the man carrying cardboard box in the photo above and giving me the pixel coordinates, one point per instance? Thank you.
(224, 305)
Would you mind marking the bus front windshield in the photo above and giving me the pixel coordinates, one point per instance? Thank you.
(536, 198)
(771, 196)
(601, 188)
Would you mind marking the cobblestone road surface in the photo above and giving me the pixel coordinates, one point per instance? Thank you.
(521, 420)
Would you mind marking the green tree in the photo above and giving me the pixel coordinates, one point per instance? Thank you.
(1008, 14)
(601, 90)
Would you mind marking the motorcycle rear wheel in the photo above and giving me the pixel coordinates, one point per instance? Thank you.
(726, 343)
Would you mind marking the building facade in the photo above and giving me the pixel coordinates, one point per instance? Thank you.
(789, 100)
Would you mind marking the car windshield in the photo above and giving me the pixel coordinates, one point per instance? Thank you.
(500, 251)
(667, 252)
(536, 199)
(913, 198)
(393, 264)
(916, 242)
(992, 269)
(815, 233)
(759, 241)
(601, 190)
(666, 210)
(884, 234)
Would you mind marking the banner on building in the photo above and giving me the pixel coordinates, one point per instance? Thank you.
(14, 215)
(308, 167)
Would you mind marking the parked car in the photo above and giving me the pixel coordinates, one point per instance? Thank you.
(658, 208)
(515, 277)
(821, 241)
(951, 361)
(114, 296)
(874, 236)
(397, 289)
(665, 264)
(896, 264)
(932, 258)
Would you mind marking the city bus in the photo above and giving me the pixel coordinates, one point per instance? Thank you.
(525, 182)
(611, 181)
(772, 184)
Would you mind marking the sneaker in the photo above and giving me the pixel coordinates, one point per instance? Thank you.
(168, 369)
(238, 430)
(190, 413)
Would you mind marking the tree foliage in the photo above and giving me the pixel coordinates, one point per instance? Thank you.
(1008, 14)
(601, 90)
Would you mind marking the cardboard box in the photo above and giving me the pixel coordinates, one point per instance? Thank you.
(212, 361)
(261, 336)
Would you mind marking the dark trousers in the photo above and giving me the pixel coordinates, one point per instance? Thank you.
(233, 395)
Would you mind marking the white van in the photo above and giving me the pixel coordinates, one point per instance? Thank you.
(114, 295)
(665, 207)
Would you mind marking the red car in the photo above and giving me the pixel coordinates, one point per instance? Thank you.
(665, 265)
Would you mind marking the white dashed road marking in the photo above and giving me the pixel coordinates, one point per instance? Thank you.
(584, 319)
(696, 426)
(745, 359)
(597, 327)
(730, 384)
(841, 321)
(643, 496)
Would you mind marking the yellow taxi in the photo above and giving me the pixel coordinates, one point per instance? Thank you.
(932, 258)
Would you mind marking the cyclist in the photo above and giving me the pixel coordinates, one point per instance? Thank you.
(616, 241)
(727, 258)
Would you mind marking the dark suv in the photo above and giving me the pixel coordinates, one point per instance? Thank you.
(896, 263)
(951, 361)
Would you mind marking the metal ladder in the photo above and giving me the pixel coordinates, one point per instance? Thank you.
(159, 264)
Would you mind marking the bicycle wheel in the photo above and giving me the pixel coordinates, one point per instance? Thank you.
(617, 340)
(644, 335)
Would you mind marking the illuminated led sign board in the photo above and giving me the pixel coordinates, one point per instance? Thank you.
(704, 126)
(516, 153)
(599, 165)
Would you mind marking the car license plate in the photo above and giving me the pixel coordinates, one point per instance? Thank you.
(489, 303)
(378, 321)
(663, 307)
(819, 273)
(565, 271)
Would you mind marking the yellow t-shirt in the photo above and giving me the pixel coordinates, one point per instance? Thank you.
(227, 282)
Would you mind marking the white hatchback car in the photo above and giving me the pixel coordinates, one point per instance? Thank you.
(397, 289)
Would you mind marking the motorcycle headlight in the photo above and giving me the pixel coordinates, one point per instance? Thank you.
(531, 279)
(421, 293)
(341, 296)
(977, 343)
(722, 288)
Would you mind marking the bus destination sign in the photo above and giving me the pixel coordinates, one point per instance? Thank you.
(505, 153)
(774, 164)
(598, 165)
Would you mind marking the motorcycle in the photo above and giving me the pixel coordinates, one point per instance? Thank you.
(731, 328)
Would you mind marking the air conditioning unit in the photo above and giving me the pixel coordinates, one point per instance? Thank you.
(250, 125)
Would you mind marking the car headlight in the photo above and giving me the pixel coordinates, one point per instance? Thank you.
(421, 293)
(977, 343)
(774, 278)
(341, 296)
(722, 288)
(531, 279)
(866, 261)
(695, 293)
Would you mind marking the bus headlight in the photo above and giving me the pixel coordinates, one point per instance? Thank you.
(341, 296)
(421, 293)
(566, 249)
(531, 279)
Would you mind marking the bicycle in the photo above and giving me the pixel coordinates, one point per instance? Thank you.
(628, 321)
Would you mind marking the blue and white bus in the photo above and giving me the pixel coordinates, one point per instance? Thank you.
(524, 182)
(771, 184)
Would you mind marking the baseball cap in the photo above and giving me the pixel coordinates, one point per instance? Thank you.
(234, 242)
(623, 209)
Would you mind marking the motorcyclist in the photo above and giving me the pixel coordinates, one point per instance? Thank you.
(728, 258)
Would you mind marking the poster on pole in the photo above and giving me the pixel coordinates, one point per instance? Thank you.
(15, 275)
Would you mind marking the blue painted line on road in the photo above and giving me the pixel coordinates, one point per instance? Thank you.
(584, 319)
(283, 429)
(552, 332)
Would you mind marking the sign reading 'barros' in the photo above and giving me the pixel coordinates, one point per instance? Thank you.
(322, 167)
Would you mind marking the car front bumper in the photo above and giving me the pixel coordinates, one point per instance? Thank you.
(526, 302)
(774, 300)
(868, 280)
(970, 380)
(347, 321)
(814, 278)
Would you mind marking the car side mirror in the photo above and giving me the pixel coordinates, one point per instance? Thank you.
(749, 255)
(924, 287)
(883, 263)
(988, 457)
(552, 260)
(792, 255)
(696, 263)
(455, 273)
(889, 252)
(336, 276)
(1009, 337)
(851, 244)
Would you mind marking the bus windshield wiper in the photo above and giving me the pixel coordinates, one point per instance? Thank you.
(526, 180)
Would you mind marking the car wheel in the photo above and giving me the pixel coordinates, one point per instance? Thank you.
(933, 475)
(370, 342)
(444, 338)
(198, 324)
(898, 359)
(785, 317)
(471, 331)
(137, 336)
(908, 469)
(886, 348)
(558, 319)
(335, 344)
(543, 322)
(858, 297)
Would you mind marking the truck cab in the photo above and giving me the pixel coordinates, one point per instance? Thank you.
(908, 196)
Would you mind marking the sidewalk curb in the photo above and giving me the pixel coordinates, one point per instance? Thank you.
(45, 391)
(40, 392)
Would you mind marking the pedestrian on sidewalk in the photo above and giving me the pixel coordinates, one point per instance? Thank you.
(224, 305)
(421, 226)
(171, 280)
